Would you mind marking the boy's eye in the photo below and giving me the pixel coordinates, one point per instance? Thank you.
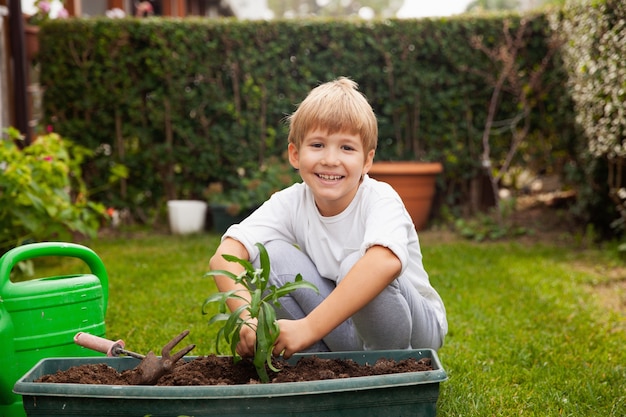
(316, 145)
(347, 148)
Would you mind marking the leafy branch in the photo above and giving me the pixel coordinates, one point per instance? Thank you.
(258, 311)
(527, 88)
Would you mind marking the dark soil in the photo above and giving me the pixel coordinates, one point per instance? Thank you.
(219, 370)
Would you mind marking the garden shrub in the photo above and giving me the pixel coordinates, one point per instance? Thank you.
(42, 194)
(596, 44)
(183, 103)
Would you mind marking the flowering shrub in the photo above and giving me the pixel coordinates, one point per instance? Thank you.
(115, 13)
(42, 194)
(45, 12)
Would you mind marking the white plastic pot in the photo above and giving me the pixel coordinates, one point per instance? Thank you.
(186, 216)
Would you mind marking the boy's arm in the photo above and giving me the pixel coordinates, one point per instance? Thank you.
(230, 247)
(233, 247)
(367, 278)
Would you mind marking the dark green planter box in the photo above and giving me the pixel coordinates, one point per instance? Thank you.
(222, 220)
(408, 394)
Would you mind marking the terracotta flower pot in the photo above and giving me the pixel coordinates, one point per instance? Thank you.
(414, 181)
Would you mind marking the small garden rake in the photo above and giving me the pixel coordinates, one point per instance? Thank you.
(151, 367)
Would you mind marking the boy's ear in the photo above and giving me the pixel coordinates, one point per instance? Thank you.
(369, 160)
(293, 156)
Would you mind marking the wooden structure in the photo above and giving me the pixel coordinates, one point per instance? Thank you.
(174, 8)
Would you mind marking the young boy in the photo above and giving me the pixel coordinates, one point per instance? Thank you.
(345, 232)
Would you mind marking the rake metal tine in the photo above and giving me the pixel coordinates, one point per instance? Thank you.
(182, 353)
(167, 349)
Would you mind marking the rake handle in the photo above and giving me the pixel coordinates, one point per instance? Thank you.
(100, 344)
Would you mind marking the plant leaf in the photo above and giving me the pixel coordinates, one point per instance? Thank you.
(246, 264)
(220, 272)
(265, 262)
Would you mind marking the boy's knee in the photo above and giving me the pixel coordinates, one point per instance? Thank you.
(347, 264)
(276, 249)
(284, 257)
(279, 246)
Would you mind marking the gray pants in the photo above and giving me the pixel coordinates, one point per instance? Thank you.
(398, 318)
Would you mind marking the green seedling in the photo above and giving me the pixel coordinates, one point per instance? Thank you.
(260, 300)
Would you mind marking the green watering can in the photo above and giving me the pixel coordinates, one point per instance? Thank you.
(39, 318)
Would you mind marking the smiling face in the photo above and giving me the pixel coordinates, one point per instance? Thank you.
(332, 165)
(332, 142)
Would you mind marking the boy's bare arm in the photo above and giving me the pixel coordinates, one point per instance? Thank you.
(367, 278)
(231, 247)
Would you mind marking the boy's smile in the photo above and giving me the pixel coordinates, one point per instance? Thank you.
(332, 165)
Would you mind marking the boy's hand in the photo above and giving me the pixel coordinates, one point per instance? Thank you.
(295, 336)
(247, 340)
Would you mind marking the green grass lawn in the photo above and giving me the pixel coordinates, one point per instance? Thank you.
(530, 330)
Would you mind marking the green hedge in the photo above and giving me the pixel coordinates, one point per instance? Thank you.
(594, 58)
(186, 102)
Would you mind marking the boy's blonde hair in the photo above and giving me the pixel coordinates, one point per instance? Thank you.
(335, 106)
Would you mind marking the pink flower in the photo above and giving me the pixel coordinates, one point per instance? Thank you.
(63, 14)
(44, 6)
(47, 158)
(49, 129)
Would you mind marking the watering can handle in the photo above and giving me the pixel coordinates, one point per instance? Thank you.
(38, 250)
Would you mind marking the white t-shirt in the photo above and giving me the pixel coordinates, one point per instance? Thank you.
(376, 216)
